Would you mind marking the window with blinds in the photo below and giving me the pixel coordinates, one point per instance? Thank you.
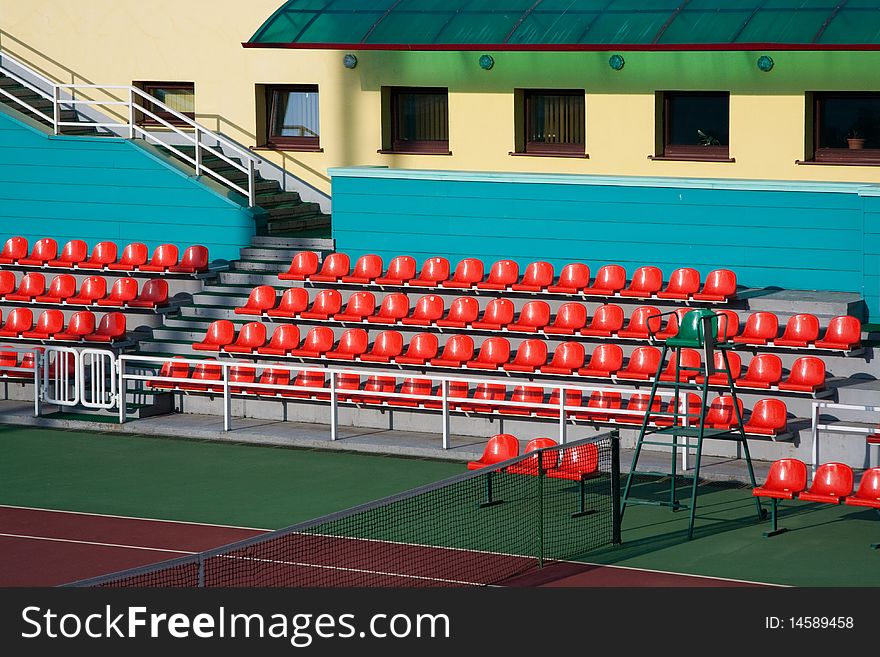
(555, 122)
(177, 96)
(420, 120)
(293, 120)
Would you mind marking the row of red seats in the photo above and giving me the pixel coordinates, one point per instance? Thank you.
(124, 292)
(135, 257)
(764, 371)
(504, 275)
(12, 359)
(573, 463)
(761, 329)
(50, 325)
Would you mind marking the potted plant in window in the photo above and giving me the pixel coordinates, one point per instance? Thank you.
(707, 139)
(854, 140)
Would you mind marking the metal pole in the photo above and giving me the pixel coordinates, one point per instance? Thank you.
(615, 487)
(198, 153)
(540, 508)
(562, 425)
(56, 109)
(334, 408)
(252, 188)
(131, 117)
(37, 391)
(120, 365)
(227, 401)
(444, 394)
(814, 417)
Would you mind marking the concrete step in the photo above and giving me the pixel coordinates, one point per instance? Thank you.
(248, 278)
(282, 255)
(791, 302)
(270, 266)
(269, 201)
(292, 225)
(318, 244)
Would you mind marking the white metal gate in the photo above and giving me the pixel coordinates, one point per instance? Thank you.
(97, 378)
(60, 369)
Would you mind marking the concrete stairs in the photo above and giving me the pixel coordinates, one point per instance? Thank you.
(42, 105)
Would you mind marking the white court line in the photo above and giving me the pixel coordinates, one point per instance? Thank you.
(114, 545)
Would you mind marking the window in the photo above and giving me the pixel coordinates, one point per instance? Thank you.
(292, 121)
(554, 122)
(179, 96)
(696, 126)
(847, 127)
(419, 121)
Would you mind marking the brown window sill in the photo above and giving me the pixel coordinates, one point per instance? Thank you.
(296, 149)
(383, 151)
(582, 156)
(690, 158)
(840, 163)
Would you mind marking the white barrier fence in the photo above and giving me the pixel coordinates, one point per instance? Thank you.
(853, 427)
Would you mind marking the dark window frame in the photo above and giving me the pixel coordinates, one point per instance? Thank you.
(711, 153)
(543, 148)
(148, 87)
(424, 147)
(866, 156)
(279, 142)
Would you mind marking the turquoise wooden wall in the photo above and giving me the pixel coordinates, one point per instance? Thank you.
(773, 234)
(108, 189)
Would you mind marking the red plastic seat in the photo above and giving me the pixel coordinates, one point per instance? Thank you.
(394, 307)
(787, 478)
(165, 257)
(400, 271)
(427, 310)
(605, 361)
(689, 410)
(92, 289)
(530, 355)
(683, 283)
(48, 324)
(868, 493)
(533, 317)
(537, 277)
(638, 404)
(375, 383)
(204, 375)
(567, 358)
(728, 324)
(418, 387)
(646, 282)
(387, 346)
(494, 352)
(345, 382)
(103, 254)
(690, 358)
(800, 331)
(721, 414)
(422, 348)
(455, 391)
(485, 392)
(62, 287)
(573, 398)
(498, 314)
(14, 249)
(110, 328)
(644, 321)
(31, 286)
(269, 381)
(44, 250)
(462, 312)
(284, 338)
(251, 336)
(7, 282)
(193, 261)
(502, 275)
(18, 321)
(154, 293)
(765, 371)
(434, 271)
(760, 329)
(360, 306)
(318, 341)
(239, 377)
(458, 350)
(367, 269)
(673, 321)
(122, 292)
(769, 418)
(293, 301)
(831, 484)
(261, 299)
(172, 369)
(326, 304)
(601, 407)
(500, 447)
(133, 256)
(313, 381)
(577, 463)
(468, 272)
(720, 286)
(607, 321)
(352, 344)
(81, 324)
(528, 395)
(573, 278)
(642, 364)
(220, 333)
(570, 318)
(610, 279)
(843, 333)
(303, 265)
(807, 375)
(334, 267)
(548, 459)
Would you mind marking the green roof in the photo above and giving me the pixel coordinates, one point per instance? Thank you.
(572, 24)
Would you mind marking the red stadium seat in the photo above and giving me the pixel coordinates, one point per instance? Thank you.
(807, 375)
(261, 299)
(528, 395)
(573, 398)
(18, 321)
(387, 346)
(133, 256)
(284, 338)
(220, 333)
(239, 376)
(92, 289)
(400, 271)
(103, 254)
(44, 250)
(601, 407)
(642, 364)
(646, 282)
(334, 267)
(530, 466)
(832, 483)
(122, 292)
(110, 328)
(760, 329)
(769, 418)
(427, 310)
(417, 387)
(293, 302)
(577, 463)
(271, 378)
(644, 321)
(567, 358)
(570, 318)
(318, 341)
(610, 279)
(394, 307)
(530, 355)
(345, 382)
(313, 381)
(367, 269)
(172, 369)
(462, 312)
(573, 278)
(690, 358)
(765, 371)
(638, 404)
(468, 272)
(720, 286)
(154, 293)
(73, 253)
(193, 261)
(422, 348)
(164, 257)
(81, 324)
(352, 344)
(48, 324)
(843, 333)
(250, 336)
(303, 265)
(14, 249)
(7, 282)
(537, 277)
(605, 361)
(434, 271)
(800, 331)
(728, 324)
(683, 283)
(31, 286)
(204, 375)
(673, 321)
(500, 447)
(606, 322)
(455, 391)
(458, 350)
(494, 352)
(326, 304)
(787, 478)
(485, 392)
(497, 315)
(502, 275)
(689, 408)
(533, 317)
(721, 414)
(62, 287)
(868, 493)
(375, 384)
(360, 306)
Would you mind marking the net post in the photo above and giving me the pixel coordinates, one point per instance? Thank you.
(615, 487)
(540, 508)
(201, 582)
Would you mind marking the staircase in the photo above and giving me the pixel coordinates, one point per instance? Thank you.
(44, 105)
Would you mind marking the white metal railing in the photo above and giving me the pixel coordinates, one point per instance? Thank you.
(20, 374)
(136, 103)
(851, 427)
